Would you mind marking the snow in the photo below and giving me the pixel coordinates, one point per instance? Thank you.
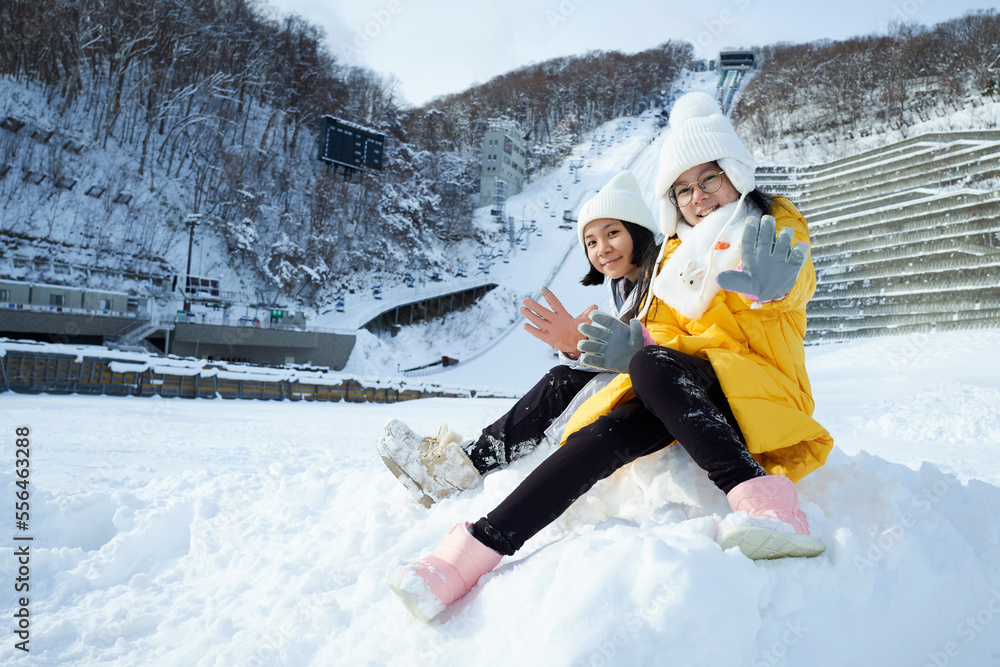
(164, 534)
(983, 113)
(214, 532)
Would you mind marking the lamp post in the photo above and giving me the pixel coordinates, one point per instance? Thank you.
(191, 221)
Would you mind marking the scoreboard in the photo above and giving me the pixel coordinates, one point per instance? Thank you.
(350, 145)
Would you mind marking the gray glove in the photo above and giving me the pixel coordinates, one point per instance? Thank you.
(770, 265)
(610, 343)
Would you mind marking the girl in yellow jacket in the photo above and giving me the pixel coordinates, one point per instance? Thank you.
(714, 361)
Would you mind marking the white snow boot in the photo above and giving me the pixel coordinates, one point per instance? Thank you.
(767, 522)
(400, 431)
(431, 468)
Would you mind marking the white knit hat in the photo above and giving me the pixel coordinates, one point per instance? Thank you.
(620, 199)
(699, 133)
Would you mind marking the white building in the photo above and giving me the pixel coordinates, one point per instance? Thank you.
(503, 159)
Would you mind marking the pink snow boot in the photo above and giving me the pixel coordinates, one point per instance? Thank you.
(773, 526)
(430, 584)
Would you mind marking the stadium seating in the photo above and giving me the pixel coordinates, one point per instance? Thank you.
(905, 238)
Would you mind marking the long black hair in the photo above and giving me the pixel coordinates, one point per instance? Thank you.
(644, 255)
(761, 200)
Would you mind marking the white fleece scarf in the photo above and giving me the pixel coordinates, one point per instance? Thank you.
(687, 282)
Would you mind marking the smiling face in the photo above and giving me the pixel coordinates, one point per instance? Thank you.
(609, 248)
(702, 203)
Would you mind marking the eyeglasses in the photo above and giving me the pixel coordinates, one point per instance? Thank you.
(709, 182)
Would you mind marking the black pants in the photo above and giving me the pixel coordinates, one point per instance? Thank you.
(678, 397)
(518, 432)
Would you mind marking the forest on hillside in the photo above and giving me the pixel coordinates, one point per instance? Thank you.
(556, 101)
(870, 83)
(217, 107)
(210, 111)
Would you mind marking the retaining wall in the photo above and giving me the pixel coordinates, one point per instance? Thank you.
(37, 372)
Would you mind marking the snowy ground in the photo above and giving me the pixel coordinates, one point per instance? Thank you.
(201, 532)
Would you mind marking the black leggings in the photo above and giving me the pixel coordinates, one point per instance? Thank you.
(519, 431)
(678, 397)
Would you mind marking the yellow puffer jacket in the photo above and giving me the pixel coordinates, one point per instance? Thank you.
(759, 358)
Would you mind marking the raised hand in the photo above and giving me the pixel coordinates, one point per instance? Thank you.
(554, 325)
(771, 265)
(611, 343)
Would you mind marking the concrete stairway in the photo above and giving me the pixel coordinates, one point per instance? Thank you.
(906, 238)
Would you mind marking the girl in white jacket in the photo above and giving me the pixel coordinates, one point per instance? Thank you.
(622, 242)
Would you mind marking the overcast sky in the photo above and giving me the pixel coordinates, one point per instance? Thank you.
(436, 47)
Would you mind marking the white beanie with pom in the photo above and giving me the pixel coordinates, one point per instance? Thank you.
(699, 133)
(621, 199)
